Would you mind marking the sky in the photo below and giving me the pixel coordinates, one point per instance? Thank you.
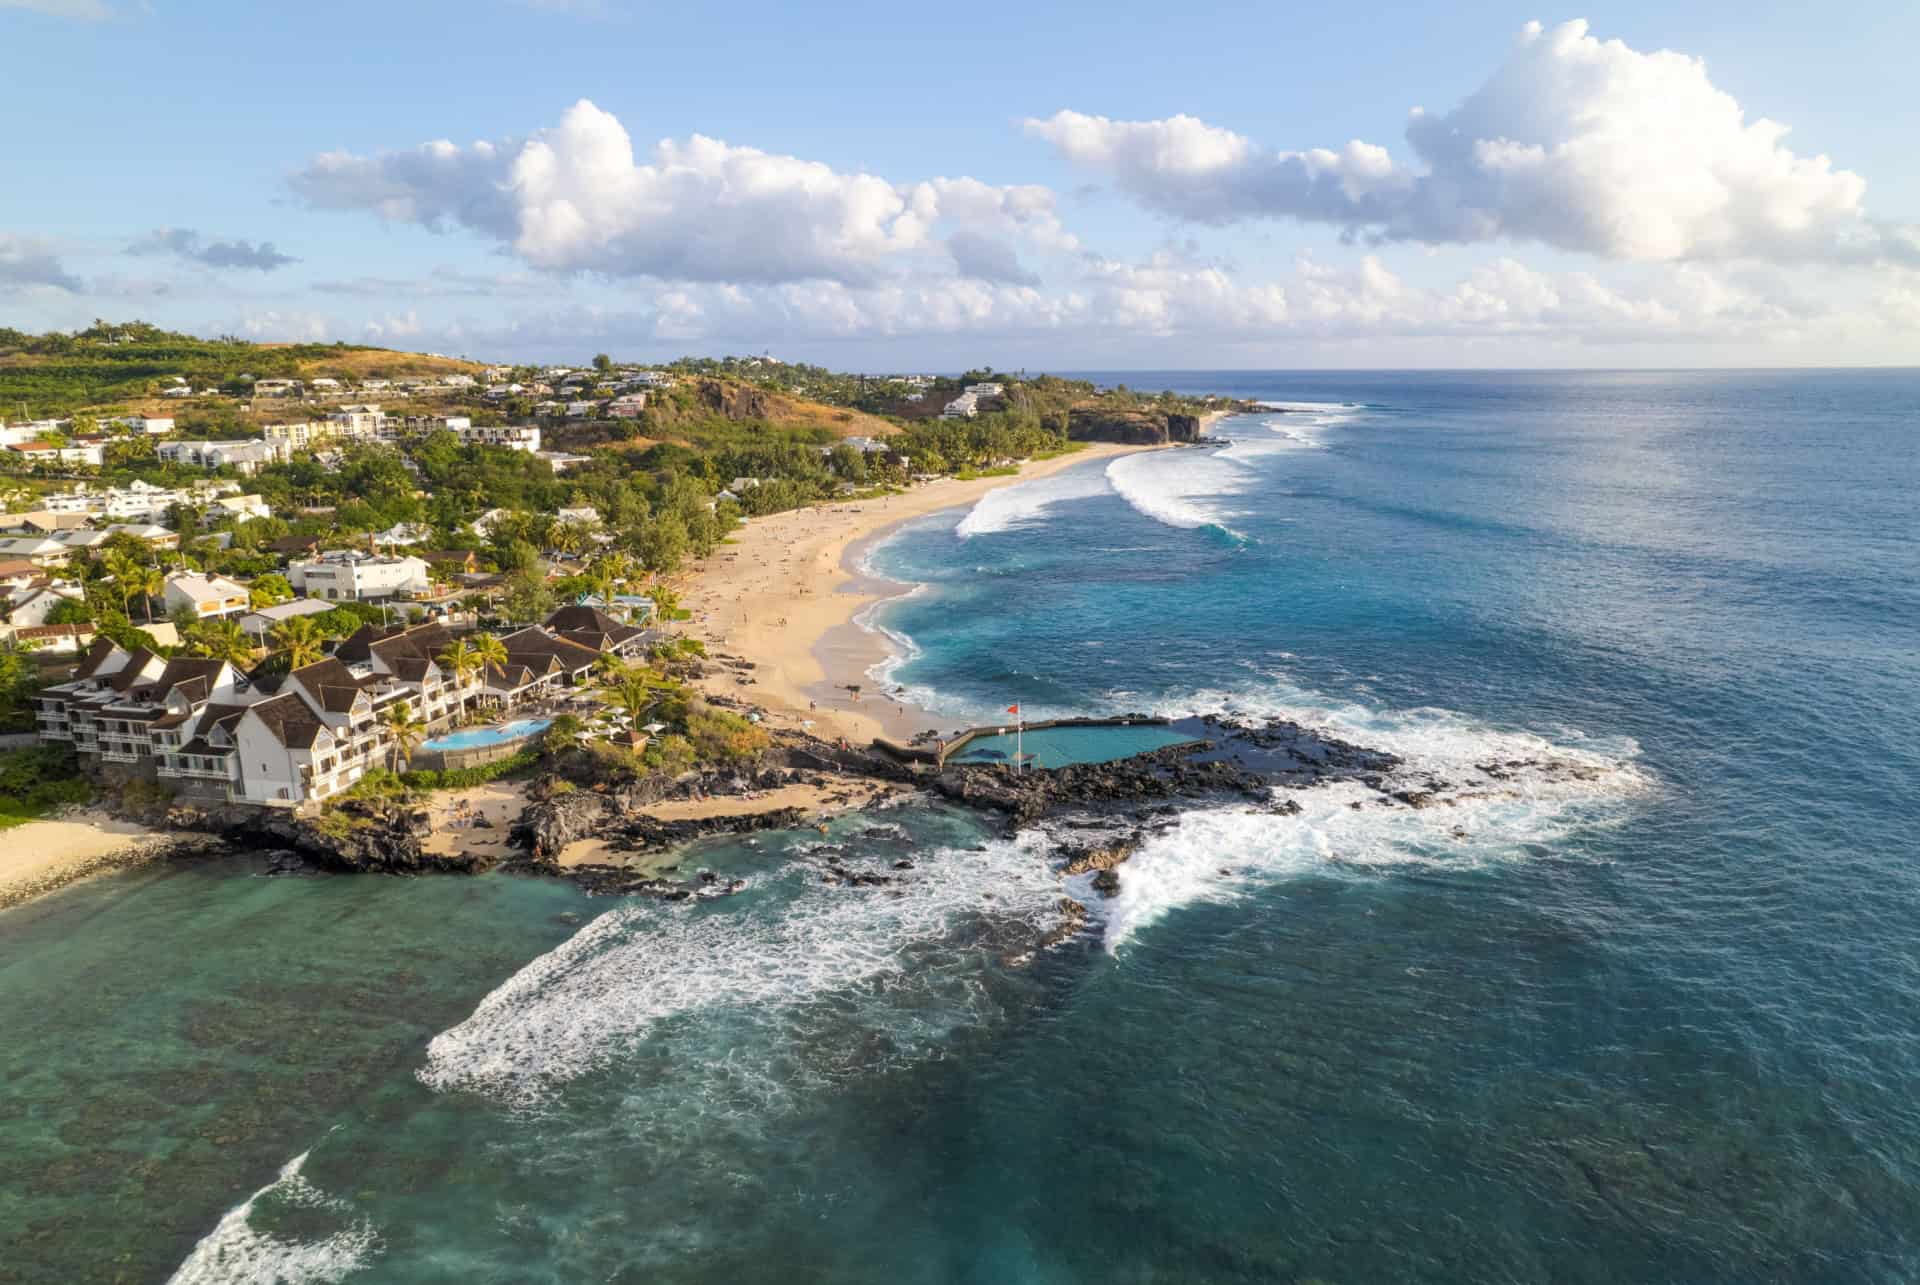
(1127, 186)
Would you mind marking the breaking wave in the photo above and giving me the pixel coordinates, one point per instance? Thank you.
(1022, 505)
(890, 970)
(1495, 795)
(235, 1253)
(1179, 490)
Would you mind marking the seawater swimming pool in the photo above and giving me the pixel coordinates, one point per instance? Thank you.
(1061, 746)
(473, 738)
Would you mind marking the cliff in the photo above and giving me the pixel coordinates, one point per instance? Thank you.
(1131, 427)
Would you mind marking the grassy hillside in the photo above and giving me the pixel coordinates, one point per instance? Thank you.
(124, 365)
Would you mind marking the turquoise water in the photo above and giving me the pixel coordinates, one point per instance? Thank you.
(1059, 746)
(1657, 1023)
(499, 734)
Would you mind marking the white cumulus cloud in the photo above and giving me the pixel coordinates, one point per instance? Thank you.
(1574, 142)
(576, 197)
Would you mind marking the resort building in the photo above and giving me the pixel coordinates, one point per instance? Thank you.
(261, 623)
(350, 575)
(206, 597)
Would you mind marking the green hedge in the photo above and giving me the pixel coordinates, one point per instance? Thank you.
(463, 778)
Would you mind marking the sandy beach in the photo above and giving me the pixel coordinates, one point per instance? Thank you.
(40, 856)
(782, 595)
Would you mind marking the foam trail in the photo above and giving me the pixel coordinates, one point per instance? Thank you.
(233, 1253)
(1013, 507)
(751, 958)
(902, 649)
(1505, 793)
(1177, 490)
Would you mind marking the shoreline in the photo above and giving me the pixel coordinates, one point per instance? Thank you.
(40, 857)
(784, 596)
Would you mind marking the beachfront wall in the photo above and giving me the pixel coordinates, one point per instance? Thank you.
(938, 755)
(472, 756)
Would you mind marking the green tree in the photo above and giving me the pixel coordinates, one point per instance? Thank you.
(270, 591)
(220, 640)
(527, 599)
(404, 731)
(301, 638)
(463, 661)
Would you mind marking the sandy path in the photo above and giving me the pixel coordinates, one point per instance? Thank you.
(40, 856)
(780, 594)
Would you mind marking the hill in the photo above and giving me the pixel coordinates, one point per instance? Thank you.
(126, 365)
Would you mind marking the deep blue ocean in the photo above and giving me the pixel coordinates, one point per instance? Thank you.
(1658, 1023)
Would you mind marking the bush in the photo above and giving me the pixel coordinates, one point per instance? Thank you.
(40, 780)
(724, 737)
(465, 778)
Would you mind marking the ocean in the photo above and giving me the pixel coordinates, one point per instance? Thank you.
(1658, 1020)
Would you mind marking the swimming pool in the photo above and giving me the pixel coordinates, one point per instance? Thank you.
(473, 738)
(1060, 746)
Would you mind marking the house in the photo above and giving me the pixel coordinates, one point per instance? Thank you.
(486, 523)
(42, 551)
(176, 390)
(965, 406)
(404, 534)
(350, 575)
(241, 506)
(452, 562)
(294, 546)
(583, 513)
(324, 385)
(155, 424)
(276, 387)
(985, 390)
(54, 639)
(519, 437)
(628, 406)
(261, 622)
(42, 521)
(589, 626)
(205, 596)
(581, 410)
(32, 605)
(243, 457)
(561, 461)
(43, 454)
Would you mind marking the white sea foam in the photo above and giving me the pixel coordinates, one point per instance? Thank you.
(1487, 812)
(1026, 504)
(901, 648)
(1179, 490)
(233, 1253)
(630, 972)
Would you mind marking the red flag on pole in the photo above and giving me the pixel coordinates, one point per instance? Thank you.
(1013, 709)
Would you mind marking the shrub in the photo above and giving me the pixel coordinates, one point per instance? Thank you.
(39, 780)
(721, 736)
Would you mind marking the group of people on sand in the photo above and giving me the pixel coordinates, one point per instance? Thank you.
(463, 815)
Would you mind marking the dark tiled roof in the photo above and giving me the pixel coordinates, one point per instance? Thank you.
(290, 721)
(96, 656)
(130, 674)
(577, 618)
(331, 683)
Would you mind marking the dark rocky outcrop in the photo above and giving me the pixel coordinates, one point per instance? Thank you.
(350, 840)
(1131, 427)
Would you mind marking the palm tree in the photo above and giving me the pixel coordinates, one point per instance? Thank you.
(489, 651)
(666, 603)
(601, 579)
(631, 691)
(405, 730)
(126, 576)
(300, 638)
(220, 640)
(462, 660)
(152, 582)
(567, 538)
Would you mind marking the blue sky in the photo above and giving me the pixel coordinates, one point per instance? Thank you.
(1074, 186)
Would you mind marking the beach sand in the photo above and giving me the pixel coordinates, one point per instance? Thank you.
(40, 856)
(782, 595)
